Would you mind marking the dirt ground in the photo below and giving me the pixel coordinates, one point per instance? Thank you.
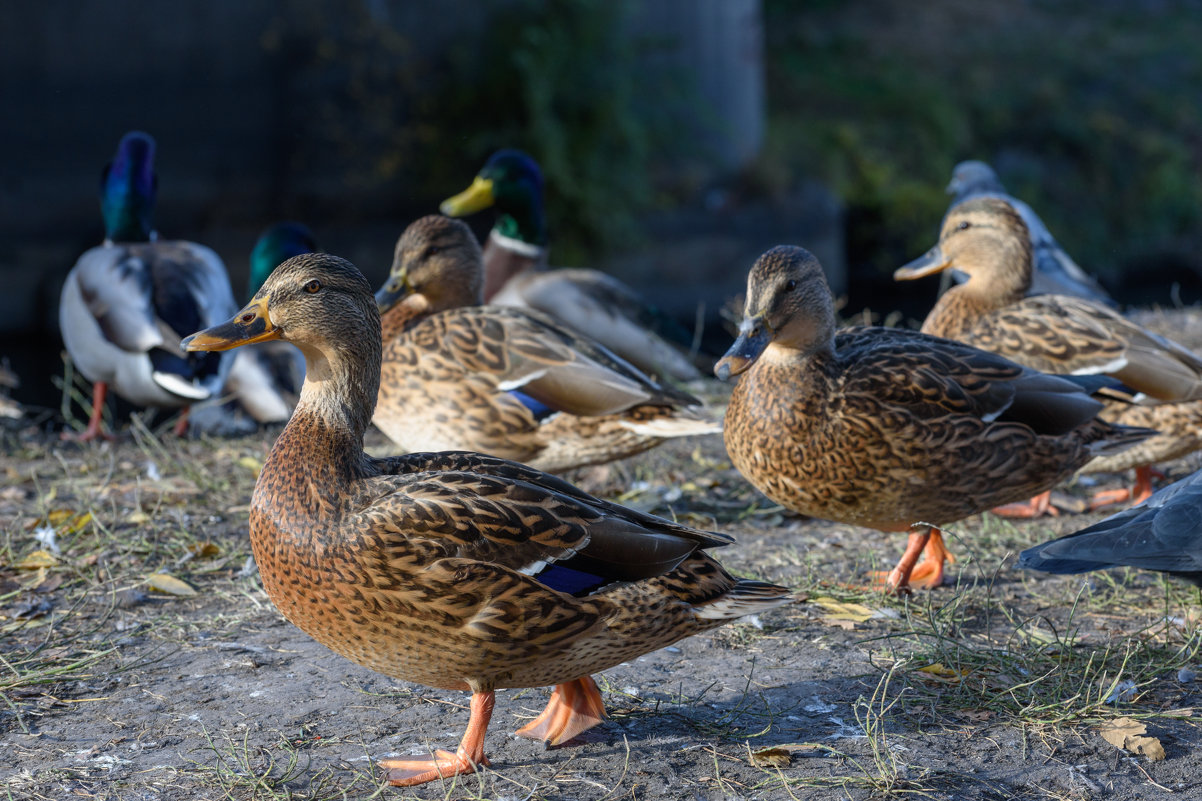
(119, 685)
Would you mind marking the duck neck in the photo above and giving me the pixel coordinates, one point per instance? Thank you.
(958, 310)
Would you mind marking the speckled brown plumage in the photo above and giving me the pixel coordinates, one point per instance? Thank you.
(986, 239)
(449, 364)
(435, 567)
(886, 427)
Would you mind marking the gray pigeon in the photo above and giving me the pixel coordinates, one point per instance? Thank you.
(1163, 533)
(1055, 272)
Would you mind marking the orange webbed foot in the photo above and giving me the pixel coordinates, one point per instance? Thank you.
(575, 707)
(440, 765)
(1038, 506)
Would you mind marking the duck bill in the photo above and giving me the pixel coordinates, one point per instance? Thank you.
(393, 292)
(929, 263)
(252, 324)
(476, 197)
(753, 338)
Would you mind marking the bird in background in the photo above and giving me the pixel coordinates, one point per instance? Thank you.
(889, 428)
(1054, 271)
(126, 303)
(985, 240)
(266, 379)
(506, 381)
(588, 301)
(455, 570)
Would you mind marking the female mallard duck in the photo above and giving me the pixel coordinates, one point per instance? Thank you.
(1053, 271)
(1163, 533)
(505, 381)
(126, 304)
(455, 570)
(986, 240)
(883, 427)
(266, 379)
(589, 301)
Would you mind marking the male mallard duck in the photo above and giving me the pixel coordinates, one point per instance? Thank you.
(884, 427)
(1163, 533)
(986, 240)
(589, 301)
(266, 379)
(1053, 270)
(126, 304)
(504, 381)
(455, 570)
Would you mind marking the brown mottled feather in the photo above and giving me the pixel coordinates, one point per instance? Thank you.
(411, 565)
(887, 427)
(449, 362)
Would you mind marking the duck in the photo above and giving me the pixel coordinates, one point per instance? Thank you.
(266, 379)
(1162, 533)
(506, 381)
(1053, 270)
(126, 303)
(8, 380)
(891, 428)
(986, 240)
(588, 301)
(455, 570)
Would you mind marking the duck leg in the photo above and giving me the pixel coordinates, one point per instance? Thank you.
(575, 707)
(444, 764)
(99, 392)
(181, 425)
(897, 580)
(929, 573)
(1137, 494)
(1038, 506)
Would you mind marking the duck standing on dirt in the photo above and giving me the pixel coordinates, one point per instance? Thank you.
(455, 570)
(126, 303)
(889, 428)
(986, 240)
(508, 382)
(589, 301)
(1163, 533)
(1053, 270)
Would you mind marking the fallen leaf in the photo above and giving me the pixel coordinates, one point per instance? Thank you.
(943, 673)
(204, 550)
(252, 464)
(1128, 734)
(36, 560)
(164, 582)
(844, 615)
(781, 756)
(137, 518)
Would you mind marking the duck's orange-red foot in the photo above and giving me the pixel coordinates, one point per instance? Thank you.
(1142, 490)
(181, 425)
(927, 574)
(575, 707)
(1038, 506)
(99, 393)
(444, 764)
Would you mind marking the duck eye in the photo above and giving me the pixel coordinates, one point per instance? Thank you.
(431, 250)
(790, 285)
(313, 286)
(964, 225)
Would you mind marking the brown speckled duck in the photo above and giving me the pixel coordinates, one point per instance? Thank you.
(986, 240)
(454, 570)
(505, 381)
(888, 428)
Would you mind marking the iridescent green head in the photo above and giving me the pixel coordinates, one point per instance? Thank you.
(128, 187)
(276, 245)
(512, 182)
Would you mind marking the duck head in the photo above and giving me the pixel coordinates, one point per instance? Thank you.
(985, 239)
(128, 187)
(436, 266)
(789, 309)
(973, 176)
(513, 182)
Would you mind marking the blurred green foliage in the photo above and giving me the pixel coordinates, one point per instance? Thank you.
(1090, 111)
(561, 80)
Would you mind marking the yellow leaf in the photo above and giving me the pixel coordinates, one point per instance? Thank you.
(137, 518)
(163, 582)
(77, 523)
(780, 756)
(838, 610)
(1128, 734)
(204, 550)
(940, 671)
(36, 560)
(252, 464)
(59, 516)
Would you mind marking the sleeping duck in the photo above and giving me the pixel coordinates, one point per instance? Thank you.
(986, 240)
(126, 304)
(454, 570)
(589, 301)
(889, 428)
(509, 382)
